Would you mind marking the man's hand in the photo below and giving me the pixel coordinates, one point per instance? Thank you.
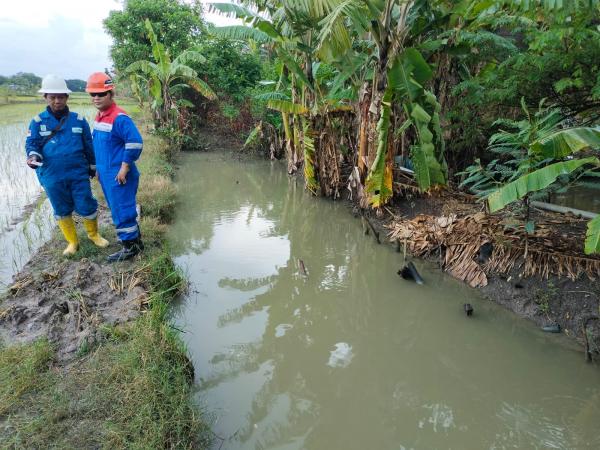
(122, 175)
(34, 161)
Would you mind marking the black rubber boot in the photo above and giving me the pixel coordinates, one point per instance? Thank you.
(129, 250)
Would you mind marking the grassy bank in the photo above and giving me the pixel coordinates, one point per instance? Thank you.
(132, 388)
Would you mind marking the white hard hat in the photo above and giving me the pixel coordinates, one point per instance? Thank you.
(52, 84)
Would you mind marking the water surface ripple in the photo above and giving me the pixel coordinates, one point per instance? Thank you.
(351, 356)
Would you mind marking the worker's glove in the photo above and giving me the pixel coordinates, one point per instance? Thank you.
(92, 171)
(34, 161)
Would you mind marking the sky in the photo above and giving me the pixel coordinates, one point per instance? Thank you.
(64, 37)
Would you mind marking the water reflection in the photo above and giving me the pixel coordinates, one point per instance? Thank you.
(351, 356)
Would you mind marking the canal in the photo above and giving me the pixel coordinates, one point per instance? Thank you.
(339, 352)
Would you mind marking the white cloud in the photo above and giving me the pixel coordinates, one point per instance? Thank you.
(65, 37)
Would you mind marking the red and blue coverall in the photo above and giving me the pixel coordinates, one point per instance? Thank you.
(117, 140)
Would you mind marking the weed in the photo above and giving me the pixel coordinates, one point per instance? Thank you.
(543, 297)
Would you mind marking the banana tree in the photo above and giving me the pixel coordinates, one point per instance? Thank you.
(271, 27)
(396, 88)
(163, 75)
(561, 144)
(290, 30)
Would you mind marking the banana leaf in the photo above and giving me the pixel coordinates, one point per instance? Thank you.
(592, 239)
(566, 142)
(288, 107)
(241, 32)
(231, 10)
(534, 181)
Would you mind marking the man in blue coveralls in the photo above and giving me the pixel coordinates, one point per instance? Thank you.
(59, 148)
(117, 144)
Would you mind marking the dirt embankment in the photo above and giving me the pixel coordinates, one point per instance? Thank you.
(69, 301)
(543, 276)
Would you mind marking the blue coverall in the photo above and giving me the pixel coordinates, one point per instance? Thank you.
(117, 140)
(67, 157)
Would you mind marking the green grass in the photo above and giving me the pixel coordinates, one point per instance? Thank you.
(132, 390)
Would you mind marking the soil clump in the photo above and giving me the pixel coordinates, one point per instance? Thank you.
(70, 301)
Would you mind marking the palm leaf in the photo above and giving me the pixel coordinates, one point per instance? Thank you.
(267, 27)
(592, 239)
(534, 181)
(401, 79)
(334, 29)
(161, 55)
(565, 142)
(181, 70)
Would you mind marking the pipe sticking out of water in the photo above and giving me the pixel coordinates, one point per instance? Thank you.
(563, 209)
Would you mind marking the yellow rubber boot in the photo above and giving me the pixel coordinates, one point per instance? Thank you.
(91, 226)
(67, 226)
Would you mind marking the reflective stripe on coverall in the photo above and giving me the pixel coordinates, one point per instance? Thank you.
(67, 157)
(117, 140)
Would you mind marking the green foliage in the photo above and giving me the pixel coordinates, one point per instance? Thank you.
(558, 60)
(534, 151)
(406, 78)
(566, 142)
(165, 76)
(177, 25)
(22, 83)
(534, 181)
(592, 240)
(511, 147)
(229, 111)
(76, 85)
(230, 66)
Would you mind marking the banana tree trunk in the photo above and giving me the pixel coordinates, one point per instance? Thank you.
(289, 146)
(363, 129)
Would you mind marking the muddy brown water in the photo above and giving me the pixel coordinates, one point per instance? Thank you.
(351, 356)
(585, 198)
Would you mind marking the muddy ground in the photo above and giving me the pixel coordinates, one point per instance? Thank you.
(71, 300)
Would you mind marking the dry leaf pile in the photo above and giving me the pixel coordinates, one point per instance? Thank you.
(550, 250)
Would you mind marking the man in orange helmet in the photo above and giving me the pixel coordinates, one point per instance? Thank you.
(117, 144)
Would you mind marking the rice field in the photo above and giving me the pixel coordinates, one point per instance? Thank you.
(26, 219)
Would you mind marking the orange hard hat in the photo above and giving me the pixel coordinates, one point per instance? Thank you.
(99, 82)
